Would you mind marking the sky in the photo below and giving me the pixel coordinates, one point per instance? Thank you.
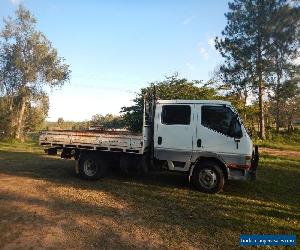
(116, 47)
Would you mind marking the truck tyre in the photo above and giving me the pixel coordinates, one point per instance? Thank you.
(51, 151)
(124, 164)
(143, 166)
(91, 167)
(208, 177)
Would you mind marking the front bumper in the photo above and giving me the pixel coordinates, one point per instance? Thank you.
(244, 172)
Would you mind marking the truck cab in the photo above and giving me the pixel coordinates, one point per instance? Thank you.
(205, 138)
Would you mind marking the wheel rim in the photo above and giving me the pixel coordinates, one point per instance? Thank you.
(89, 167)
(208, 178)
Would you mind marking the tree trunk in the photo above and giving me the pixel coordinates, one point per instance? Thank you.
(277, 95)
(11, 116)
(262, 132)
(20, 120)
(259, 70)
(277, 116)
(290, 124)
(245, 104)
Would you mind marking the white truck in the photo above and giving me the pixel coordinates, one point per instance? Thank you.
(204, 138)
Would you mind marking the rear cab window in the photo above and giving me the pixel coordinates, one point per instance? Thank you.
(176, 115)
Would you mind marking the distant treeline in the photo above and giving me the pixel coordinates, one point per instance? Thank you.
(107, 121)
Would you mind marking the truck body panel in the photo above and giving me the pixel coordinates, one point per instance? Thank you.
(95, 140)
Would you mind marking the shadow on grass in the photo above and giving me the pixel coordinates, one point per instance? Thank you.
(274, 182)
(165, 202)
(18, 220)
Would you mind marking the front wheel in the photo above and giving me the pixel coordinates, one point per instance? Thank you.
(91, 167)
(208, 177)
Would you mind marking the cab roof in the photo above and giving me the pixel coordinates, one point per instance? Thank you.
(194, 102)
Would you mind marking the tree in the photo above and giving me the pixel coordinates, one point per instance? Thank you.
(60, 122)
(28, 62)
(5, 117)
(36, 113)
(286, 105)
(173, 87)
(247, 41)
(286, 40)
(235, 85)
(292, 111)
(108, 121)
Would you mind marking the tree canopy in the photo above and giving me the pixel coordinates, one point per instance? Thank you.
(28, 63)
(173, 87)
(258, 43)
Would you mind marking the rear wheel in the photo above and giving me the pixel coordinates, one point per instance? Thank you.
(91, 167)
(124, 165)
(208, 177)
(143, 166)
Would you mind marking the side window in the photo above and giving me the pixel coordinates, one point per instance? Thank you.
(176, 114)
(222, 120)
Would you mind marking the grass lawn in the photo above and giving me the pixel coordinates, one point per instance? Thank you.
(43, 204)
(283, 140)
(278, 145)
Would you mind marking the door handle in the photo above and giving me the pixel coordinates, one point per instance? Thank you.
(159, 140)
(199, 143)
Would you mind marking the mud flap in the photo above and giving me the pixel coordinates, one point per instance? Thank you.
(51, 151)
(144, 165)
(254, 164)
(77, 167)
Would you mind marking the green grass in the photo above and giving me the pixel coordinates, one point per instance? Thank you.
(283, 140)
(278, 145)
(158, 211)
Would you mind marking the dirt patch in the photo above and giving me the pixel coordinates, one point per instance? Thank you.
(37, 214)
(279, 152)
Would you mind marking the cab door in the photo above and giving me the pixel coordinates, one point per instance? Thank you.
(219, 131)
(173, 132)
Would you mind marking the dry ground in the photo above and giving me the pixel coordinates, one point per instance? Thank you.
(280, 152)
(44, 205)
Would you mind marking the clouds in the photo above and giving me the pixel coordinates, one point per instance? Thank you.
(297, 59)
(211, 42)
(190, 66)
(203, 52)
(15, 2)
(188, 20)
(206, 49)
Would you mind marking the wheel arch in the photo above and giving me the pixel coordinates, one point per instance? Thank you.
(210, 158)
